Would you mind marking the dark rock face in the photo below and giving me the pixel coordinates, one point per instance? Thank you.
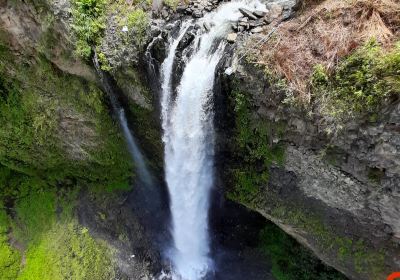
(338, 194)
(112, 219)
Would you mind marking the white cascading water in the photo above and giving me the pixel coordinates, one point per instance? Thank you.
(188, 138)
(133, 148)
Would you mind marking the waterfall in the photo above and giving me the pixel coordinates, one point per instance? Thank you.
(134, 151)
(187, 122)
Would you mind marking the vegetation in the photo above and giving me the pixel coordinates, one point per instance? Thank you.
(255, 149)
(360, 83)
(348, 251)
(56, 137)
(326, 33)
(67, 251)
(290, 260)
(138, 20)
(171, 3)
(88, 24)
(10, 258)
(57, 248)
(33, 118)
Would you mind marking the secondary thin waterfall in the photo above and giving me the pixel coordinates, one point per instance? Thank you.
(189, 141)
(136, 155)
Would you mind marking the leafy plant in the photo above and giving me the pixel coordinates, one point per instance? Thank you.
(88, 24)
(138, 20)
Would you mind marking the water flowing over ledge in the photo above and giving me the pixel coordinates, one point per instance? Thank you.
(187, 122)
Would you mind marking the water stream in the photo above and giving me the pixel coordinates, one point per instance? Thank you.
(134, 151)
(188, 137)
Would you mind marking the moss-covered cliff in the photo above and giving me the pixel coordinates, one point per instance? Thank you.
(314, 147)
(61, 148)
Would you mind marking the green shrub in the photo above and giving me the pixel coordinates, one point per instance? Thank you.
(138, 20)
(171, 3)
(88, 24)
(360, 84)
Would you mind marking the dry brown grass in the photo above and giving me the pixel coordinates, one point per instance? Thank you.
(325, 33)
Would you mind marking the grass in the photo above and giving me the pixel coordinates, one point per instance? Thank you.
(360, 84)
(326, 33)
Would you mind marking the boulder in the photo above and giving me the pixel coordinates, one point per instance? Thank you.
(258, 29)
(247, 13)
(197, 13)
(259, 14)
(231, 38)
(274, 10)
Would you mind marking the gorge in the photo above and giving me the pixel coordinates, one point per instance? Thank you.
(242, 139)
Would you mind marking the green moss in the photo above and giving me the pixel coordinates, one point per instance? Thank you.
(255, 150)
(361, 82)
(57, 247)
(36, 214)
(290, 260)
(33, 115)
(67, 251)
(375, 175)
(119, 186)
(9, 257)
(348, 251)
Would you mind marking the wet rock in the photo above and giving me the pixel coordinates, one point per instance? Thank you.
(181, 9)
(247, 13)
(259, 14)
(207, 26)
(231, 38)
(197, 13)
(187, 39)
(164, 13)
(158, 51)
(234, 26)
